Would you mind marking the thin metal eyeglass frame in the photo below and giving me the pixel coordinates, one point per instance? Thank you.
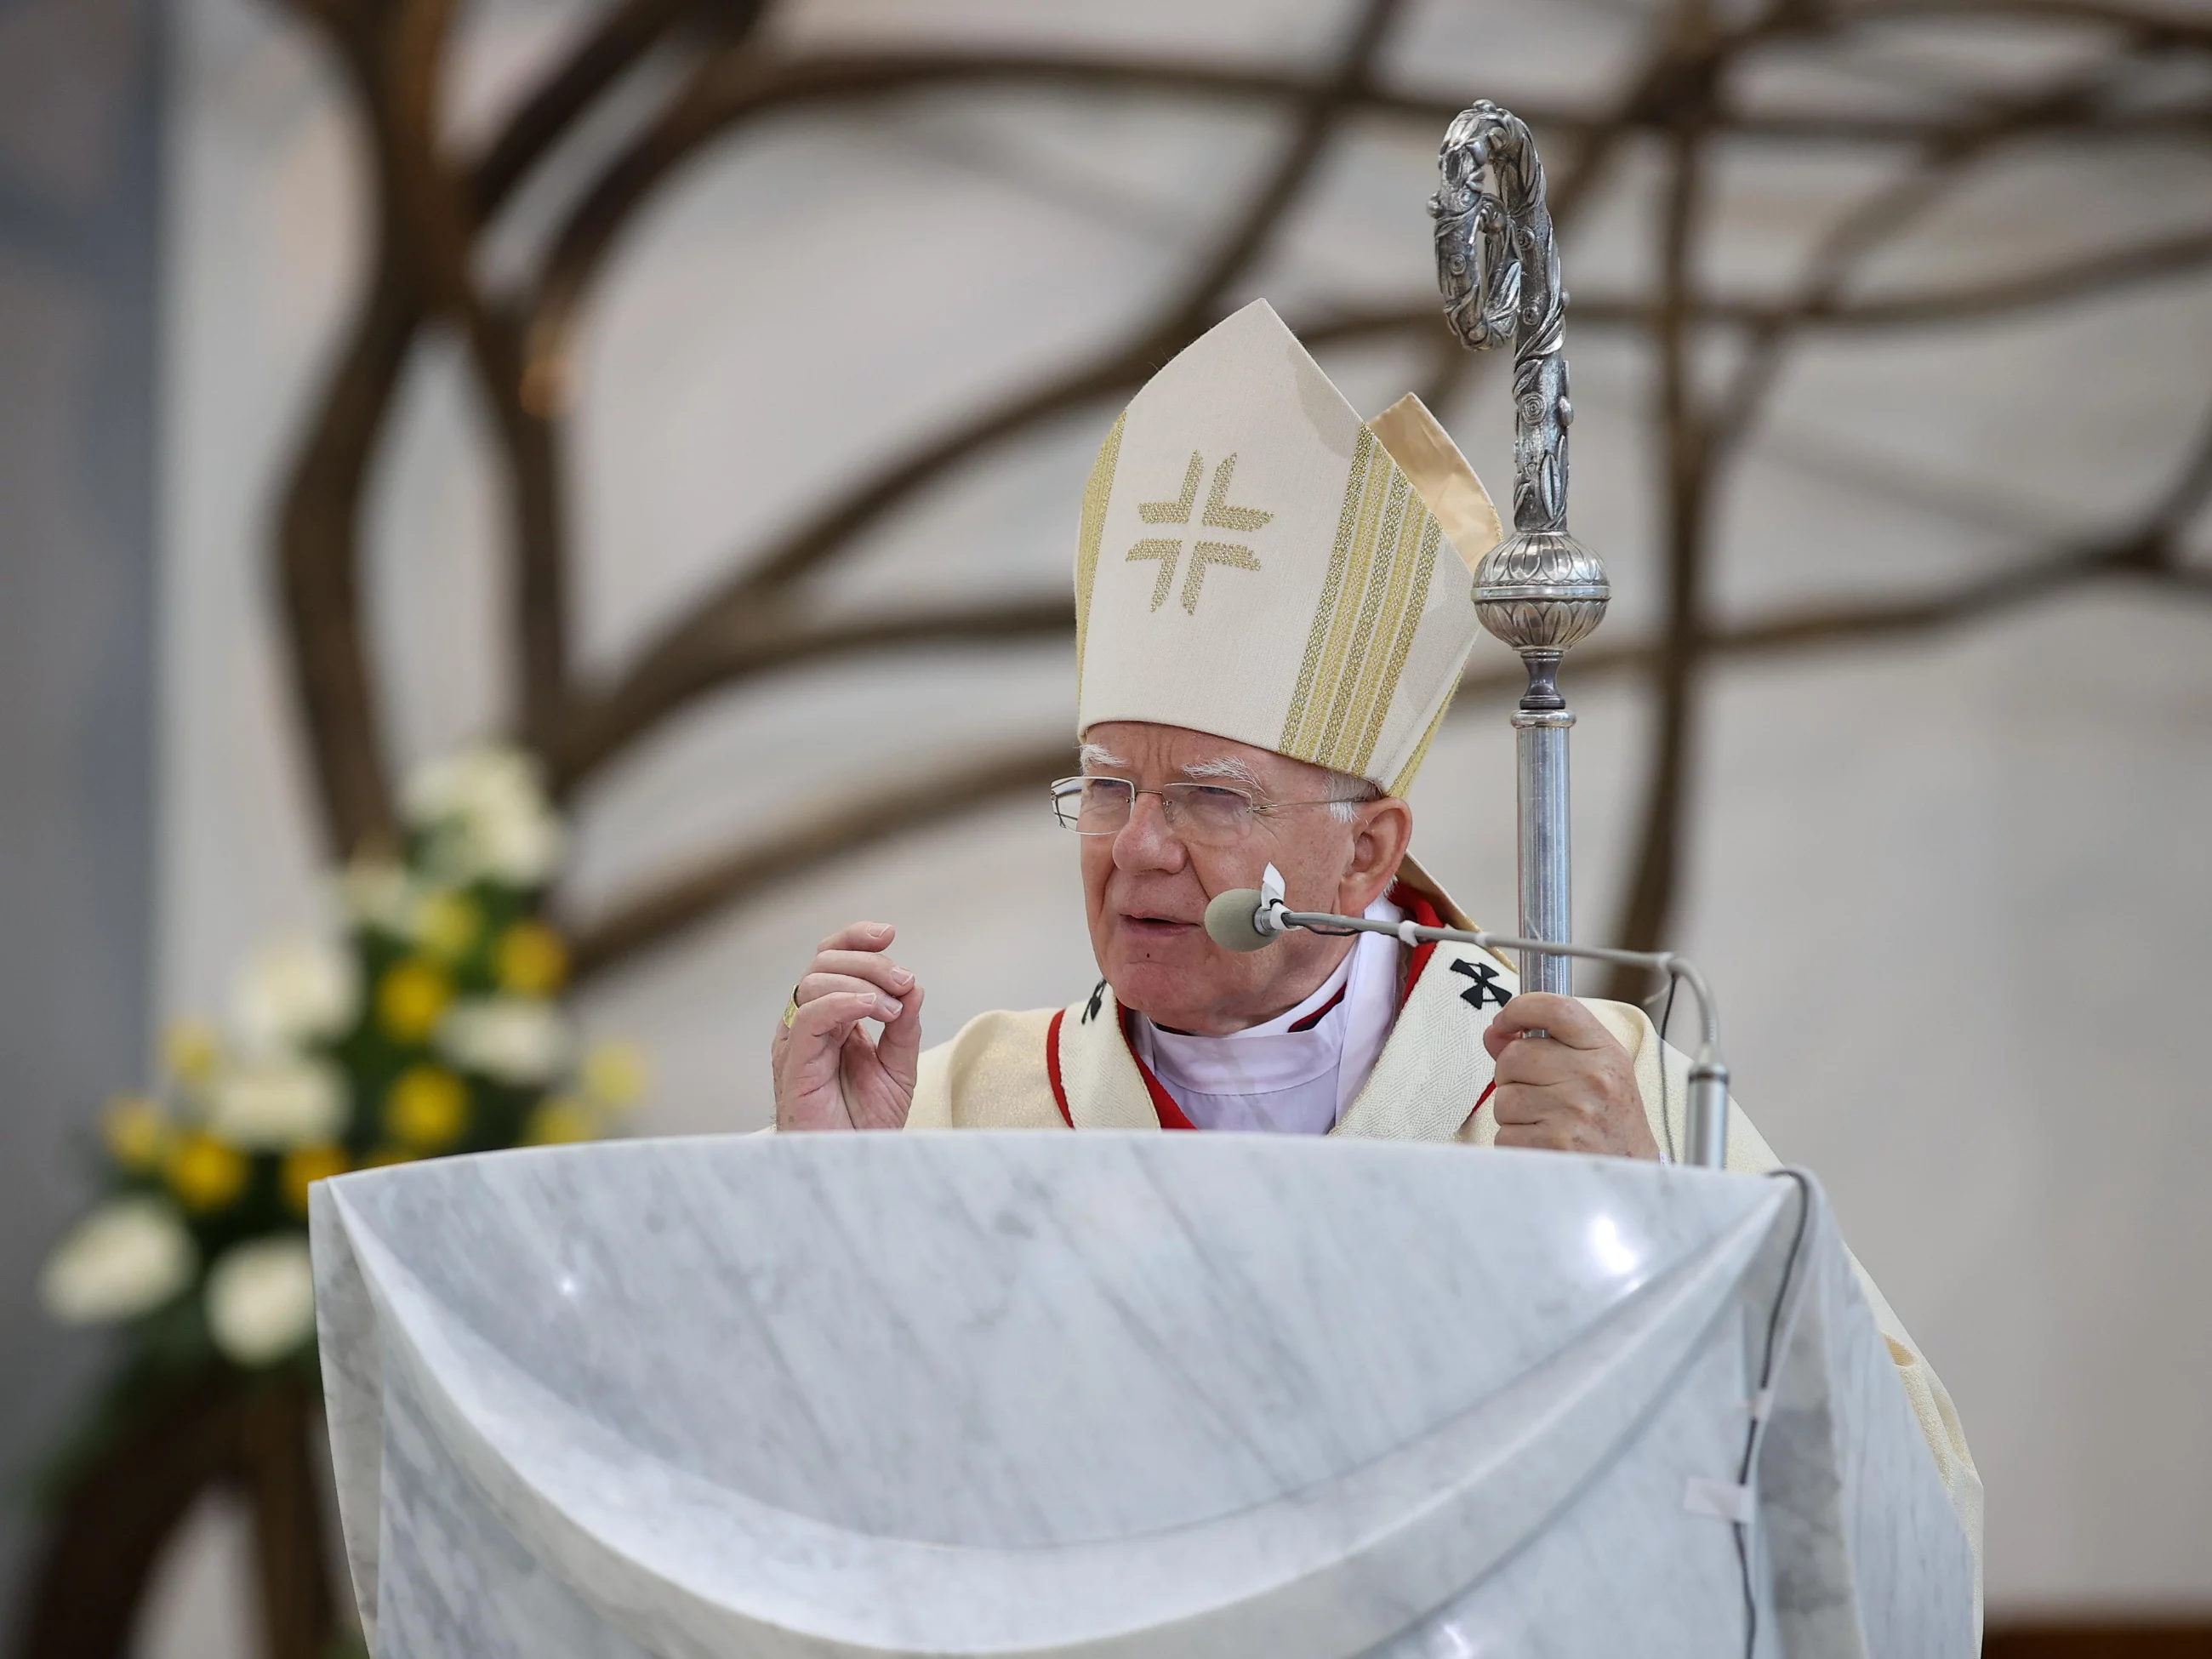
(1259, 808)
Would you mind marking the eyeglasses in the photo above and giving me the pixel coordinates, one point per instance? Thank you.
(1200, 814)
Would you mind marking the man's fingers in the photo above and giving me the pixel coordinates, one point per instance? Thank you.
(1562, 1019)
(860, 936)
(877, 970)
(1536, 1061)
(1541, 1136)
(808, 1058)
(821, 1025)
(823, 1058)
(815, 987)
(1526, 1102)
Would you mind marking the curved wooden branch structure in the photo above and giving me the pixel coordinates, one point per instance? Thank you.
(105, 1540)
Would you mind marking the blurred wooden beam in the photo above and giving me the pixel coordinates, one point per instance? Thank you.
(2101, 1638)
(900, 807)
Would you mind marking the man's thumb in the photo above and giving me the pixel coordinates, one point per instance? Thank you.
(899, 1049)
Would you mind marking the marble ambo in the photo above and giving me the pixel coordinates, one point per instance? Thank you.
(1116, 1396)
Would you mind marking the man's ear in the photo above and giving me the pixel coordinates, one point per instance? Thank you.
(1384, 832)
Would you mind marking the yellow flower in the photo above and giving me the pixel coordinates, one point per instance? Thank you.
(204, 1173)
(411, 997)
(304, 1166)
(427, 1108)
(190, 1051)
(558, 1120)
(616, 1074)
(136, 1131)
(384, 1156)
(446, 924)
(532, 959)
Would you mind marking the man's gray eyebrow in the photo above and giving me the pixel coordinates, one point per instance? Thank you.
(1226, 766)
(1091, 756)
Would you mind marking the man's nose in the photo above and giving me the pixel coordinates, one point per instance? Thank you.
(1145, 842)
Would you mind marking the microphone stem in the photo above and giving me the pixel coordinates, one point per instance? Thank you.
(1708, 1102)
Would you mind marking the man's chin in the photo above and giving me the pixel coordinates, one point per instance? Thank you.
(1163, 982)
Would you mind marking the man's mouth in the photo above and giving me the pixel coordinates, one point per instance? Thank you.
(1158, 927)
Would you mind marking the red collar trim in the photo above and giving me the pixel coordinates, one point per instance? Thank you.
(1322, 1013)
(1419, 910)
(1170, 1114)
(1052, 1067)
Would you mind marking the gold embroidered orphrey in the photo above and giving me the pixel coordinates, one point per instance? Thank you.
(1218, 515)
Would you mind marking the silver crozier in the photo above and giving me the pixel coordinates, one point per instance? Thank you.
(1539, 590)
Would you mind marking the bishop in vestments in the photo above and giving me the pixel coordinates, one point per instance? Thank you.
(1272, 611)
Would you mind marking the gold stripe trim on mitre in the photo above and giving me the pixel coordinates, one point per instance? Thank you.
(1380, 568)
(1406, 773)
(1381, 687)
(1371, 608)
(1363, 451)
(1096, 493)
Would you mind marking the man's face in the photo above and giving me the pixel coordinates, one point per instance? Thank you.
(1147, 886)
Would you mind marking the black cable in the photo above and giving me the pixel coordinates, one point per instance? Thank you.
(1665, 1112)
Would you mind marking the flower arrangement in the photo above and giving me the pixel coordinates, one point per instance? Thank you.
(430, 1028)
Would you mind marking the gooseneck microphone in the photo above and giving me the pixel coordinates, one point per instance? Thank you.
(1252, 918)
(1233, 919)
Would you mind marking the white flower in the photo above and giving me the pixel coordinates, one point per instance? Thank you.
(518, 844)
(295, 990)
(378, 893)
(127, 1257)
(519, 1040)
(261, 1300)
(458, 784)
(486, 813)
(276, 1103)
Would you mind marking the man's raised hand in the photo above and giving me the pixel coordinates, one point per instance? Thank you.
(829, 1072)
(1571, 1090)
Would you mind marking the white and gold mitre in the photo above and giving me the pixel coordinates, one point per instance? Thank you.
(1258, 562)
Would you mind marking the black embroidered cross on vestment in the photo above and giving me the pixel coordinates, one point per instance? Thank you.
(1485, 987)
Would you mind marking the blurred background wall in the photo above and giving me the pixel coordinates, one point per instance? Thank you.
(80, 220)
(1945, 797)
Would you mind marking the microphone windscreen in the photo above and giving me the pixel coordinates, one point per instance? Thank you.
(1229, 921)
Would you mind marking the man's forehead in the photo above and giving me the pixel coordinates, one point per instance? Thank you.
(1197, 753)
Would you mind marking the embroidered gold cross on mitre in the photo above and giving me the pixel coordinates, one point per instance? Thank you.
(1218, 515)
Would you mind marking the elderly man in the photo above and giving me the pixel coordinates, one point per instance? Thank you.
(1271, 613)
